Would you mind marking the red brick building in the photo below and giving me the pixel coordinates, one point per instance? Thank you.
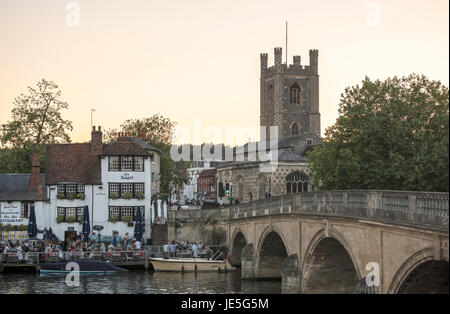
(206, 183)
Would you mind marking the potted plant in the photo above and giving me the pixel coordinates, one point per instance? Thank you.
(112, 219)
(126, 219)
(80, 196)
(127, 195)
(60, 196)
(70, 196)
(80, 221)
(140, 196)
(59, 219)
(70, 219)
(114, 195)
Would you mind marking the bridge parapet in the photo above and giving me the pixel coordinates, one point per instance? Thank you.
(428, 210)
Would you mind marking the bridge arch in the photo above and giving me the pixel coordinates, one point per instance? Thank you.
(238, 242)
(271, 253)
(421, 273)
(329, 265)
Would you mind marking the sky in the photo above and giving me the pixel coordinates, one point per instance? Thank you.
(198, 60)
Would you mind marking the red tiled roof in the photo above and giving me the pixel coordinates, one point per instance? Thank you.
(124, 146)
(72, 163)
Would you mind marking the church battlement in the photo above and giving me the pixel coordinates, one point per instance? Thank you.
(289, 94)
(295, 68)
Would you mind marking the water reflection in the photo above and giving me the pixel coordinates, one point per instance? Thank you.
(137, 282)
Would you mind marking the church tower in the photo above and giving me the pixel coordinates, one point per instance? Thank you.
(289, 95)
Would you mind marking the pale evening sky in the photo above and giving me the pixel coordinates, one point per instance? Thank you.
(188, 59)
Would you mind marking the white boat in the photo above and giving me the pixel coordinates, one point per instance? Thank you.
(190, 265)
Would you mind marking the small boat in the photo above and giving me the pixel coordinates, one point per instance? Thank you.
(85, 267)
(190, 265)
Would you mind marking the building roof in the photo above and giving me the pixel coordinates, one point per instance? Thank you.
(126, 146)
(72, 163)
(208, 172)
(145, 145)
(14, 187)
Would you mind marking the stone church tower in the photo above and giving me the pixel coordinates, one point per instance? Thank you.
(290, 95)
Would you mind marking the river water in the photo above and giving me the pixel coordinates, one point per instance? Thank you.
(136, 282)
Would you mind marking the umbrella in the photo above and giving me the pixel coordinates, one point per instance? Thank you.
(86, 226)
(138, 225)
(32, 227)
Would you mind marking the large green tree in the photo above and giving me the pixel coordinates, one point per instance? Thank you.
(158, 131)
(391, 134)
(36, 120)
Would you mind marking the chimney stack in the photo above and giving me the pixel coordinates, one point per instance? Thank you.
(96, 141)
(35, 178)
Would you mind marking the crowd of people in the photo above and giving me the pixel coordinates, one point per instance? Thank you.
(29, 251)
(185, 249)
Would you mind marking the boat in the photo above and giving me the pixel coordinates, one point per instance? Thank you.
(85, 267)
(190, 265)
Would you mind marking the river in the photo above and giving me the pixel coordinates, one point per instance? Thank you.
(136, 282)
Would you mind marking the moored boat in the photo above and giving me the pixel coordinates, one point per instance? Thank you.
(190, 265)
(85, 267)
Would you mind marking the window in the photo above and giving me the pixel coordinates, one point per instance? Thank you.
(126, 188)
(72, 190)
(295, 129)
(114, 212)
(295, 94)
(120, 212)
(71, 212)
(126, 212)
(309, 141)
(138, 189)
(270, 94)
(139, 163)
(114, 163)
(24, 209)
(61, 211)
(297, 181)
(126, 163)
(118, 190)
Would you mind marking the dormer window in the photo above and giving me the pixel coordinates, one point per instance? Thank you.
(126, 163)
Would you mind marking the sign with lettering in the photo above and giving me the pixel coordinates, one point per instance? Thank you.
(11, 214)
(126, 176)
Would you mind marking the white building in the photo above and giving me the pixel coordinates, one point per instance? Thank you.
(113, 180)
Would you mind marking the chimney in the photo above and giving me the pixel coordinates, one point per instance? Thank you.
(35, 178)
(40, 193)
(96, 141)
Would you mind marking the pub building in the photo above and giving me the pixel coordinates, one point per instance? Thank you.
(18, 191)
(113, 180)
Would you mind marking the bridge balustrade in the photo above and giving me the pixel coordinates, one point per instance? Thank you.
(426, 209)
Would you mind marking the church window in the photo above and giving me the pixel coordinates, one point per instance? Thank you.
(297, 181)
(295, 129)
(295, 94)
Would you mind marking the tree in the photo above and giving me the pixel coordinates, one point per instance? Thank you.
(36, 121)
(390, 135)
(157, 131)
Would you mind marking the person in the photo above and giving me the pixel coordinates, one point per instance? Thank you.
(166, 250)
(138, 245)
(172, 249)
(195, 249)
(220, 203)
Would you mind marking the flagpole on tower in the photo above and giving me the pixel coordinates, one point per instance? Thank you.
(286, 42)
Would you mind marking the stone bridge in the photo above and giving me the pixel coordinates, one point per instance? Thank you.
(330, 241)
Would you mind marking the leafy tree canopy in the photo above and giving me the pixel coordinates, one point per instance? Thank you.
(390, 135)
(36, 120)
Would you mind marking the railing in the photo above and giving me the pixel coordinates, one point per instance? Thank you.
(213, 252)
(33, 258)
(421, 209)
